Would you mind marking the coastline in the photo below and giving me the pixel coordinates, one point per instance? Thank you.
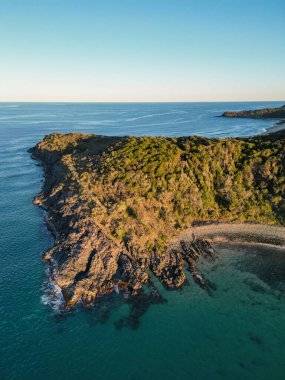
(85, 210)
(237, 233)
(279, 126)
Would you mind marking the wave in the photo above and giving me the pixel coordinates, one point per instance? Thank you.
(52, 295)
(26, 116)
(9, 106)
(151, 115)
(99, 122)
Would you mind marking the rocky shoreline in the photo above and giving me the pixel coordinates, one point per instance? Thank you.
(85, 263)
(107, 239)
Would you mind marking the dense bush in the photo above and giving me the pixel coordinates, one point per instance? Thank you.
(145, 189)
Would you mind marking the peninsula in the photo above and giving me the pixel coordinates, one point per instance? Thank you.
(264, 113)
(115, 204)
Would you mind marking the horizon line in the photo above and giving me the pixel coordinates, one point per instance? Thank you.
(140, 101)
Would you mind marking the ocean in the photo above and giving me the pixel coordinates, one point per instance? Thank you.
(234, 331)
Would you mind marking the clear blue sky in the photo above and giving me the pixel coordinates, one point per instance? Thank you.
(142, 50)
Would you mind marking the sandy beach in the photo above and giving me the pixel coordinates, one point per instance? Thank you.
(240, 232)
(276, 128)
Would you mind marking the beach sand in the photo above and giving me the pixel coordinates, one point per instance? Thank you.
(236, 232)
(276, 128)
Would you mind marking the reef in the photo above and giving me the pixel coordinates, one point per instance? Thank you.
(115, 204)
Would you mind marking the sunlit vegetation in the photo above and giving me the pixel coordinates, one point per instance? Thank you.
(144, 190)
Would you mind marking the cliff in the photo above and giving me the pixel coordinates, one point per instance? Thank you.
(115, 203)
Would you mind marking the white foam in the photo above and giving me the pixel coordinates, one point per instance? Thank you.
(152, 115)
(52, 295)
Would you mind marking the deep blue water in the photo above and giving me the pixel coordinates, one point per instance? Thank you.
(236, 332)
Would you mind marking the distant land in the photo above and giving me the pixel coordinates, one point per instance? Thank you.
(116, 204)
(265, 113)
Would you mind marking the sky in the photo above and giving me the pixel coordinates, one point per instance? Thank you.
(142, 50)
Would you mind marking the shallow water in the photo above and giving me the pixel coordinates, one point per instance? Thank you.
(234, 331)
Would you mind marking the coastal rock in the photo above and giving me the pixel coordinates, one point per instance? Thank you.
(169, 268)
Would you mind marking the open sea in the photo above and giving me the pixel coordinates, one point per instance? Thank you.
(235, 331)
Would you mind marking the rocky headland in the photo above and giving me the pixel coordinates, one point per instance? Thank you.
(115, 204)
(265, 113)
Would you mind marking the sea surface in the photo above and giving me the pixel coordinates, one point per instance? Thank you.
(236, 330)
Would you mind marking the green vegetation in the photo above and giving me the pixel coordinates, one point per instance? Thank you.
(144, 190)
(265, 113)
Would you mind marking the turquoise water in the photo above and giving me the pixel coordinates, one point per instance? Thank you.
(235, 331)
